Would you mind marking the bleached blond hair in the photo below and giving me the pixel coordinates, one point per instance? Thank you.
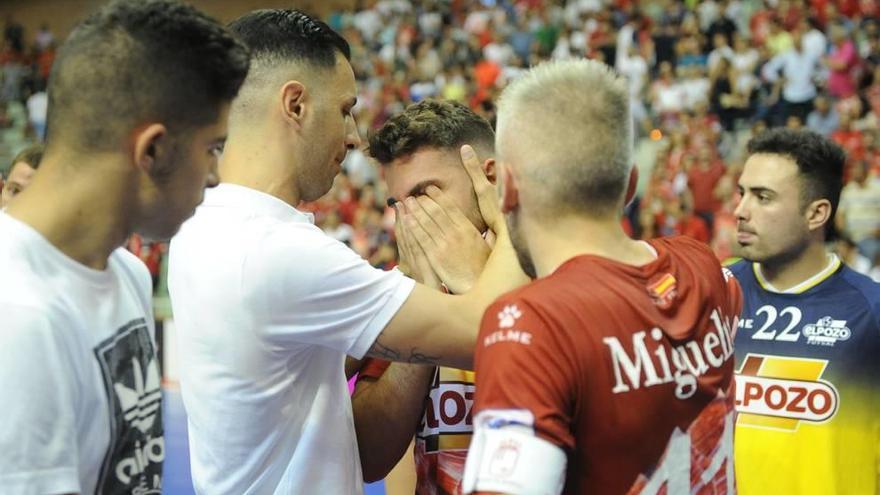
(565, 127)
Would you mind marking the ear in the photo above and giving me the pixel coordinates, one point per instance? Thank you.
(509, 190)
(293, 107)
(631, 187)
(148, 142)
(818, 214)
(489, 170)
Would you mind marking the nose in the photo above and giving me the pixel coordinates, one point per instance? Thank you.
(212, 181)
(213, 178)
(352, 136)
(741, 211)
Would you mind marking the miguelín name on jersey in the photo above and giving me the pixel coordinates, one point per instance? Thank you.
(681, 364)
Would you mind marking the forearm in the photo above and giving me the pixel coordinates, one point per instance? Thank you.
(386, 415)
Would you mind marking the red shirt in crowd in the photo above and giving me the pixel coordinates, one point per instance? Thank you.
(702, 182)
(694, 227)
(628, 370)
(851, 141)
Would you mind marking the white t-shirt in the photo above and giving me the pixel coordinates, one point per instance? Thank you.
(267, 306)
(81, 408)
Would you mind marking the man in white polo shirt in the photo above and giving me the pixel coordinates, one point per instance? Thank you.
(268, 306)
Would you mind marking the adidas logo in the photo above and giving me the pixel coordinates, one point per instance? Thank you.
(140, 404)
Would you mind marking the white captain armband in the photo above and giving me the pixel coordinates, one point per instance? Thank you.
(505, 456)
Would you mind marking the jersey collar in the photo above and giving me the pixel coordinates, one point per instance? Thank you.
(830, 268)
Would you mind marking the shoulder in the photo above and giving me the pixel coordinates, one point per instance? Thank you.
(685, 246)
(298, 247)
(28, 327)
(694, 257)
(130, 268)
(538, 295)
(24, 287)
(865, 287)
(741, 269)
(298, 259)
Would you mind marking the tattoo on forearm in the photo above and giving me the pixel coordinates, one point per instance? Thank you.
(382, 351)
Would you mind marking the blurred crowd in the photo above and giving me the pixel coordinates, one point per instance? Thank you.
(704, 76)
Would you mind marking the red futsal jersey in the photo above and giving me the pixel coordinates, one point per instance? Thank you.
(628, 370)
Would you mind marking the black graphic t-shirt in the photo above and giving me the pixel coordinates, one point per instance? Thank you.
(130, 369)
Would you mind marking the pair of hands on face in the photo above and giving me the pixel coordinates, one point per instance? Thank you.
(437, 244)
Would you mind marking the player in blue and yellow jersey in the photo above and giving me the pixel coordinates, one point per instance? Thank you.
(807, 347)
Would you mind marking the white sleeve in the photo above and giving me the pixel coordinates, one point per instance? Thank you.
(37, 419)
(770, 71)
(310, 288)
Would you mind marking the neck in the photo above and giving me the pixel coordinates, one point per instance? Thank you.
(81, 205)
(786, 273)
(553, 243)
(247, 162)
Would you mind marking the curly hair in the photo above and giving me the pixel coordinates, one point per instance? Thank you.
(430, 124)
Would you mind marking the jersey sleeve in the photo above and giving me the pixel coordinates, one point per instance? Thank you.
(519, 367)
(312, 289)
(733, 293)
(37, 420)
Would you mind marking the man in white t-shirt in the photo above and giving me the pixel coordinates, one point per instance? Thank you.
(22, 171)
(128, 151)
(268, 306)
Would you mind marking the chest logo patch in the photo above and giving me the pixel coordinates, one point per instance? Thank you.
(826, 332)
(778, 392)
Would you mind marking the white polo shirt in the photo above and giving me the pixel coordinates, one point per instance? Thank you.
(267, 307)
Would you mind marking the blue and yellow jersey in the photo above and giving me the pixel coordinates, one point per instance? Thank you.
(808, 384)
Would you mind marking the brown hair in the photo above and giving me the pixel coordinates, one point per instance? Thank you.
(32, 155)
(430, 124)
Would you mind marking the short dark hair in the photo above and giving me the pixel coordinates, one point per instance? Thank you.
(430, 124)
(820, 162)
(32, 155)
(135, 61)
(284, 34)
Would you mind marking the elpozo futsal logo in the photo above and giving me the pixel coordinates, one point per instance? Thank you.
(827, 332)
(779, 392)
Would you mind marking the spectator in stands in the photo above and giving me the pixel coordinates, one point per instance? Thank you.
(37, 107)
(849, 138)
(815, 42)
(726, 99)
(859, 211)
(721, 51)
(849, 253)
(823, 119)
(703, 178)
(793, 74)
(23, 168)
(44, 37)
(842, 59)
